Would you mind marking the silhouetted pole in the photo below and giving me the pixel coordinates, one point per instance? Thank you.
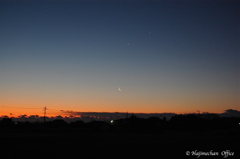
(45, 111)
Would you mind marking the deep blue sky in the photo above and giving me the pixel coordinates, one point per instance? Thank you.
(176, 56)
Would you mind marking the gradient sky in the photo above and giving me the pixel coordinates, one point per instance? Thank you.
(166, 56)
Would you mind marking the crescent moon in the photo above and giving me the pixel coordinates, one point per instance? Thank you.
(119, 89)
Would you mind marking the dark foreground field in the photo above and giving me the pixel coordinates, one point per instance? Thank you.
(116, 145)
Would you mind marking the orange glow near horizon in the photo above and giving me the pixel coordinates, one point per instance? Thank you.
(132, 101)
(52, 111)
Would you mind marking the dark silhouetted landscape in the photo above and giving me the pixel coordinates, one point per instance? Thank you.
(131, 137)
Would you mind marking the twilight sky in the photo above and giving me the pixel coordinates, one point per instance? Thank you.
(165, 56)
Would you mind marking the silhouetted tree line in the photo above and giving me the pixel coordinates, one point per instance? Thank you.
(178, 123)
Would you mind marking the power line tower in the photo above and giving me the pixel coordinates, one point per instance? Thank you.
(45, 112)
